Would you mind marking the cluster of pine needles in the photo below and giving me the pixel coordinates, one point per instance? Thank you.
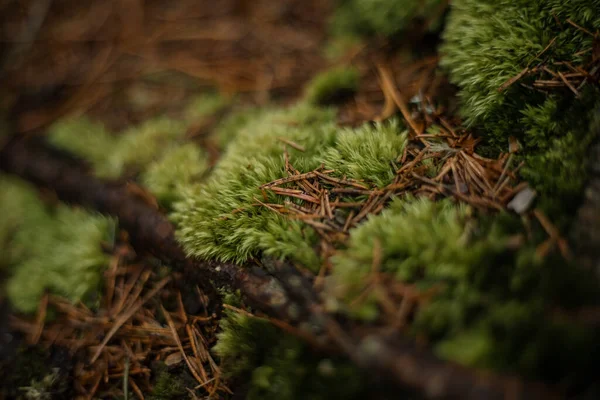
(141, 320)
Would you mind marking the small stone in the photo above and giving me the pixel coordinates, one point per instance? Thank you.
(173, 359)
(522, 201)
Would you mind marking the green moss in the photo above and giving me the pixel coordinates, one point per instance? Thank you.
(332, 85)
(421, 241)
(152, 147)
(22, 208)
(489, 42)
(88, 140)
(141, 145)
(243, 341)
(558, 136)
(57, 250)
(178, 167)
(368, 18)
(168, 385)
(62, 254)
(223, 219)
(280, 366)
(233, 123)
(152, 150)
(493, 308)
(111, 156)
(367, 153)
(205, 105)
(518, 336)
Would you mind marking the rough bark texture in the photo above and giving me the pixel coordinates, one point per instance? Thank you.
(283, 293)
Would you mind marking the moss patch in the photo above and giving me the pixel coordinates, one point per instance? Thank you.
(493, 303)
(154, 150)
(280, 366)
(178, 167)
(59, 249)
(332, 85)
(489, 42)
(223, 218)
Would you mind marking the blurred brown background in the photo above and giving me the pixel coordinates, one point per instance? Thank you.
(99, 57)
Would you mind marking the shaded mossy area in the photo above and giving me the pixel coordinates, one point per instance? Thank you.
(494, 302)
(506, 57)
(225, 218)
(154, 152)
(59, 249)
(34, 373)
(483, 293)
(277, 365)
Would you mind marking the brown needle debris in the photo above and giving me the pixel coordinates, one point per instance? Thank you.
(435, 165)
(128, 319)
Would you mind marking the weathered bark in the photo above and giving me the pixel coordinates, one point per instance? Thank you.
(284, 293)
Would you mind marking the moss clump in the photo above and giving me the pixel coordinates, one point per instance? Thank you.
(420, 241)
(367, 18)
(141, 145)
(111, 156)
(280, 366)
(178, 167)
(170, 384)
(205, 105)
(367, 153)
(88, 140)
(22, 208)
(223, 218)
(489, 42)
(152, 150)
(57, 250)
(493, 306)
(559, 136)
(332, 85)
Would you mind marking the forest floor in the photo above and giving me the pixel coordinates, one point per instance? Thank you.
(124, 62)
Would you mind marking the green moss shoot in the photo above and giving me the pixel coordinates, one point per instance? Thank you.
(367, 153)
(280, 366)
(223, 218)
(88, 140)
(178, 167)
(487, 43)
(205, 105)
(332, 85)
(57, 250)
(493, 308)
